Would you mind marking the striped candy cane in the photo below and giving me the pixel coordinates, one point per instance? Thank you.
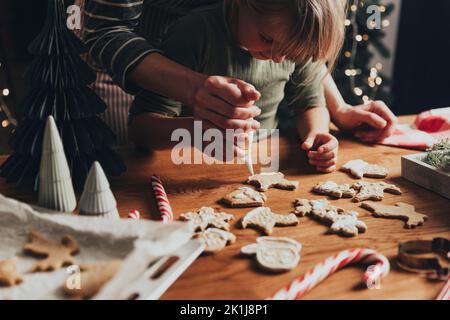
(134, 215)
(445, 293)
(162, 200)
(372, 277)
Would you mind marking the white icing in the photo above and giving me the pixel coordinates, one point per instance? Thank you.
(319, 204)
(355, 164)
(329, 185)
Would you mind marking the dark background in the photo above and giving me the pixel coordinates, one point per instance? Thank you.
(421, 77)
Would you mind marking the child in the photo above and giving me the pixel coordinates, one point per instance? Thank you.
(279, 46)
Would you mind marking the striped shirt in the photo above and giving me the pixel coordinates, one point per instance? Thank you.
(119, 34)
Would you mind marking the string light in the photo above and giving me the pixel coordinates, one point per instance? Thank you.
(374, 80)
(4, 93)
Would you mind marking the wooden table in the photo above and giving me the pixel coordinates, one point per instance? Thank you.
(226, 275)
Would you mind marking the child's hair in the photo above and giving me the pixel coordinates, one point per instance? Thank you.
(316, 31)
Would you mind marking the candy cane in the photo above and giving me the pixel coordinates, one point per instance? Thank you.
(445, 293)
(134, 215)
(313, 277)
(162, 200)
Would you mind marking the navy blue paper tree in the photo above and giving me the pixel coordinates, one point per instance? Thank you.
(59, 81)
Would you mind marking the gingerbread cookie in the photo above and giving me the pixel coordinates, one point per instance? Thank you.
(264, 219)
(206, 217)
(373, 190)
(342, 222)
(402, 211)
(245, 197)
(274, 254)
(359, 169)
(56, 254)
(331, 188)
(264, 181)
(215, 239)
(9, 276)
(92, 278)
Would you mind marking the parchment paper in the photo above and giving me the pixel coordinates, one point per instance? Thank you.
(136, 242)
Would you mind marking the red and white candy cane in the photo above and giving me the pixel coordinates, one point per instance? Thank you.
(372, 277)
(161, 198)
(445, 293)
(134, 215)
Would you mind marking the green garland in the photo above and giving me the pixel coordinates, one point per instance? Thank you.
(439, 155)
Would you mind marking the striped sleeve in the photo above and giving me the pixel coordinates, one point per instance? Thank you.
(113, 44)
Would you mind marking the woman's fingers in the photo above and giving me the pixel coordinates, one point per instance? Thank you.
(223, 108)
(225, 123)
(230, 90)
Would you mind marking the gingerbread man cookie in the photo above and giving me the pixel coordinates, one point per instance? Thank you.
(331, 188)
(340, 221)
(266, 180)
(274, 254)
(206, 217)
(402, 211)
(9, 276)
(245, 197)
(264, 219)
(215, 239)
(92, 278)
(373, 190)
(56, 255)
(359, 169)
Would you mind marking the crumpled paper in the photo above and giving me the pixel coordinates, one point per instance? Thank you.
(137, 243)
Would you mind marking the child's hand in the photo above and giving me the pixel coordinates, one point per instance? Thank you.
(322, 151)
(376, 117)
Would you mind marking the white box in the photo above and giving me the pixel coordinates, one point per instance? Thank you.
(416, 170)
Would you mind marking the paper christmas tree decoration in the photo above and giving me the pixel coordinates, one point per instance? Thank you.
(97, 198)
(55, 184)
(59, 81)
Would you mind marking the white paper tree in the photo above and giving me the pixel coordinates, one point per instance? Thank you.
(97, 198)
(55, 183)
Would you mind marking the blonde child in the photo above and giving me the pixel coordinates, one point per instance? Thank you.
(278, 46)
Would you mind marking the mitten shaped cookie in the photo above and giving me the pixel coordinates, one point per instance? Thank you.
(56, 255)
(245, 197)
(274, 254)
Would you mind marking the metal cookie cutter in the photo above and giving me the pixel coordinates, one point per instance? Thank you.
(428, 266)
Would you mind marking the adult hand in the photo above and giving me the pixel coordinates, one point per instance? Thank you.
(370, 122)
(226, 103)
